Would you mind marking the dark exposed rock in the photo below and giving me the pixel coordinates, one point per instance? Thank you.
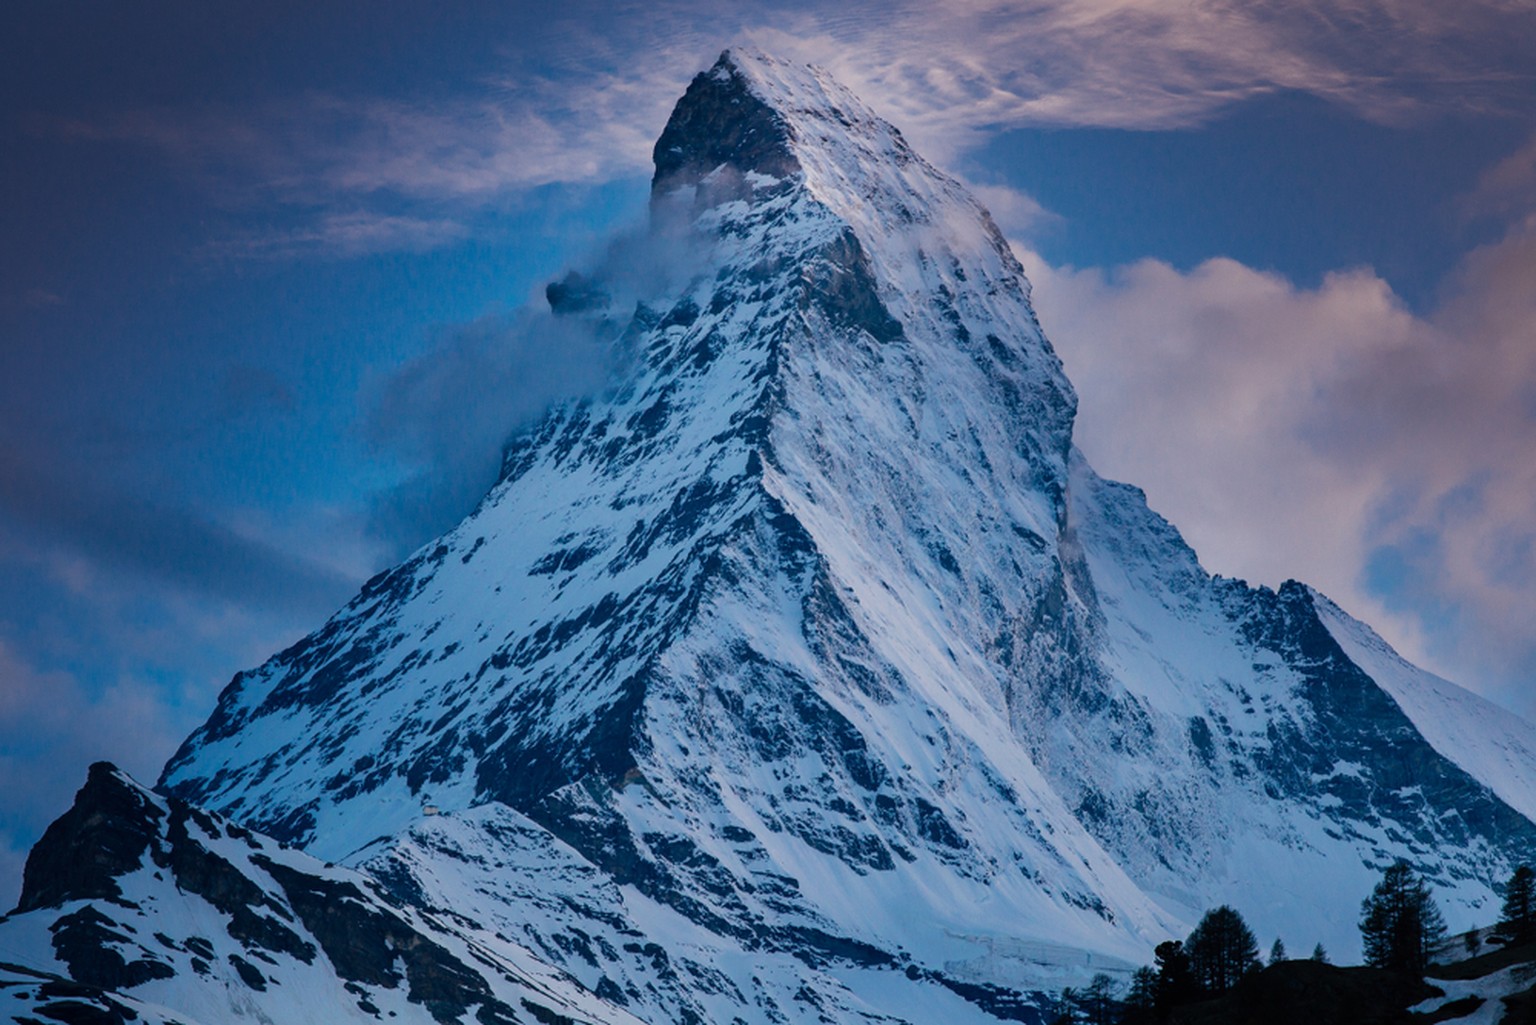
(86, 941)
(546, 1016)
(842, 286)
(57, 999)
(1408, 782)
(200, 871)
(248, 973)
(574, 293)
(105, 834)
(719, 121)
(364, 944)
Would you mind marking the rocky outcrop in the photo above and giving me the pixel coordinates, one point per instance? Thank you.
(152, 902)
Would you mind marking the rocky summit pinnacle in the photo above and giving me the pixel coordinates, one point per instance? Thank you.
(808, 674)
(720, 122)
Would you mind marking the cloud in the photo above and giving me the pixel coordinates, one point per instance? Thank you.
(31, 299)
(346, 235)
(447, 414)
(1017, 213)
(123, 532)
(51, 728)
(472, 149)
(590, 93)
(1507, 189)
(367, 175)
(1330, 434)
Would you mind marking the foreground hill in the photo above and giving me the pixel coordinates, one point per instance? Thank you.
(139, 907)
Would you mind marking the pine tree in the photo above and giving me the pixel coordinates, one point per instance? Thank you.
(1517, 922)
(1097, 1002)
(1066, 1008)
(1277, 952)
(1400, 923)
(1320, 955)
(1141, 1000)
(1175, 982)
(1221, 950)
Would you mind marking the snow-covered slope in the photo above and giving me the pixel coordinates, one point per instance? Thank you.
(1481, 737)
(1252, 746)
(152, 907)
(811, 675)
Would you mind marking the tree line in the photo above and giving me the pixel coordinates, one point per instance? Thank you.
(1400, 928)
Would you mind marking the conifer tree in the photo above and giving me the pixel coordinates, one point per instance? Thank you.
(1277, 951)
(1066, 1008)
(1097, 1002)
(1320, 955)
(1175, 983)
(1221, 950)
(1141, 1000)
(1517, 922)
(1400, 923)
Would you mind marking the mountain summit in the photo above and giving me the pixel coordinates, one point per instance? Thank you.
(812, 675)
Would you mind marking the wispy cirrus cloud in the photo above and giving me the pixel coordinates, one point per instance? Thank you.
(589, 95)
(123, 531)
(362, 175)
(472, 149)
(988, 65)
(344, 235)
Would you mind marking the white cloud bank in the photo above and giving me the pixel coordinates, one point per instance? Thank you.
(1330, 435)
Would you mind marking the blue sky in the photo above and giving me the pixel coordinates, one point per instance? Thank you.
(262, 272)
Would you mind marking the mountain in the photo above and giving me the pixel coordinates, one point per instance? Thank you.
(137, 907)
(811, 674)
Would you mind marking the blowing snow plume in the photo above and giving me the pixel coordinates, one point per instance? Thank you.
(449, 415)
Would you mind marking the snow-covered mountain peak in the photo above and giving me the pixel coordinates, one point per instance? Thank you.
(763, 116)
(755, 127)
(854, 387)
(813, 651)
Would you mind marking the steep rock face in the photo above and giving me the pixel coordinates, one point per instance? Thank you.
(191, 918)
(83, 853)
(1248, 739)
(811, 675)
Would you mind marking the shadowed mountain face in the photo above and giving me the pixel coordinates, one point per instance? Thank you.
(811, 675)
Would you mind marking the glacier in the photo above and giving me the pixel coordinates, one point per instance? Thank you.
(810, 673)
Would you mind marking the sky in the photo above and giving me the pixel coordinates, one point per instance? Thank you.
(270, 278)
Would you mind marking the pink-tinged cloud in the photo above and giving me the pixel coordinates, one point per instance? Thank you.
(1506, 189)
(344, 235)
(1295, 432)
